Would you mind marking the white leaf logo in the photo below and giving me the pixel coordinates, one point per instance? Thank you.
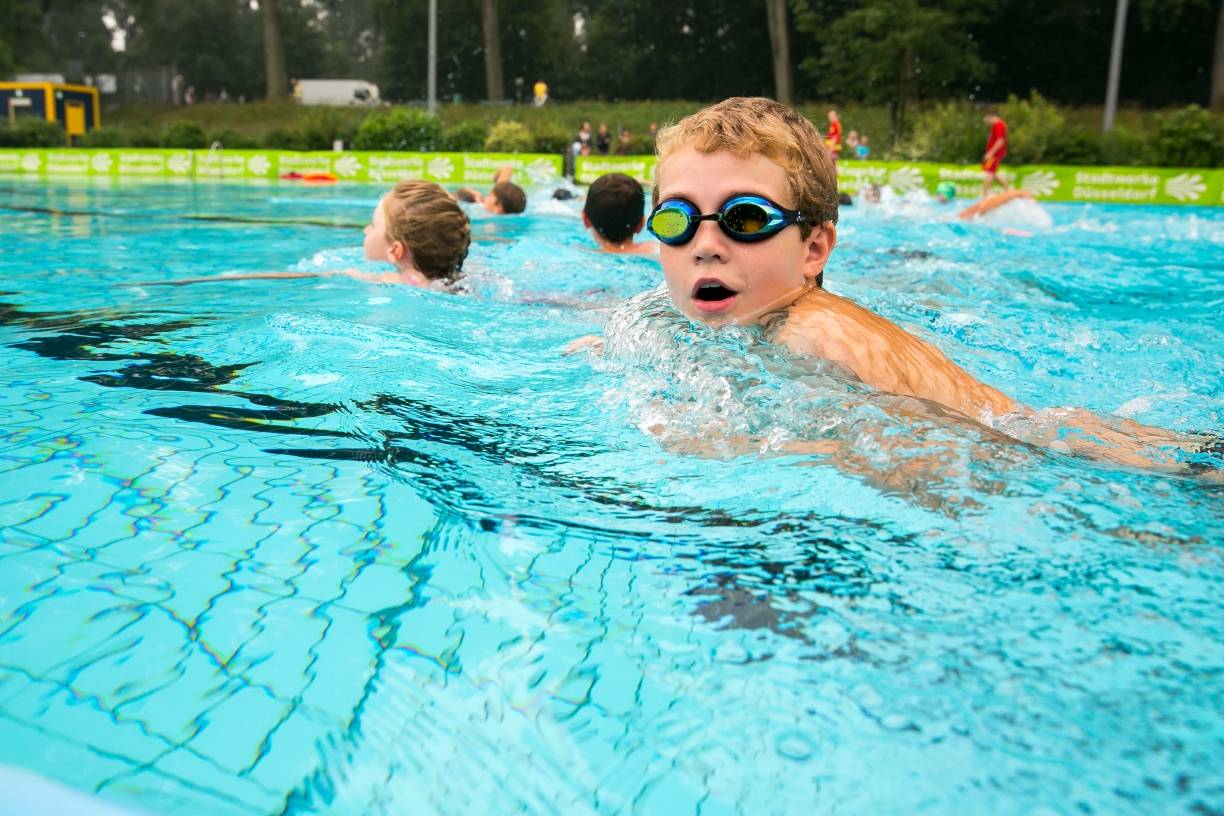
(347, 166)
(101, 163)
(31, 162)
(440, 168)
(179, 163)
(1186, 187)
(904, 179)
(1040, 183)
(541, 171)
(258, 165)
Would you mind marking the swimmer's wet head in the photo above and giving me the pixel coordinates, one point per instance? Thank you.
(752, 167)
(420, 229)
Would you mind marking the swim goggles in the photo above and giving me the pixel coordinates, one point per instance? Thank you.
(745, 218)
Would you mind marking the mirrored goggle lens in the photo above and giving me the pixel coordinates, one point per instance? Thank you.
(669, 223)
(746, 218)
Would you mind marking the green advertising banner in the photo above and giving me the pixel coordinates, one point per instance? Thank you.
(444, 168)
(1136, 185)
(1130, 185)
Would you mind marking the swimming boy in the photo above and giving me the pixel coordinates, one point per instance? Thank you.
(615, 211)
(746, 210)
(506, 197)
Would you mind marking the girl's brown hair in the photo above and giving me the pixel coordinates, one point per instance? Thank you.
(431, 225)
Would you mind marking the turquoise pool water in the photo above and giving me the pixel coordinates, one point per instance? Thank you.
(324, 546)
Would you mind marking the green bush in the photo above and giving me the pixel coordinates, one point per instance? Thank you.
(283, 139)
(398, 129)
(1032, 127)
(1122, 146)
(232, 139)
(185, 134)
(509, 137)
(1190, 137)
(120, 137)
(552, 138)
(32, 133)
(464, 137)
(322, 126)
(948, 132)
(1072, 145)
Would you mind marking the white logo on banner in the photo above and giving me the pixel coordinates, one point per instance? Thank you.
(101, 163)
(179, 163)
(540, 171)
(31, 162)
(1186, 187)
(347, 166)
(904, 179)
(1041, 183)
(440, 168)
(258, 165)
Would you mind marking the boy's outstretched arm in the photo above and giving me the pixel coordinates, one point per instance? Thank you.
(505, 173)
(886, 357)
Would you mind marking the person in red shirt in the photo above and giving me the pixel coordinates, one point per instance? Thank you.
(833, 138)
(996, 149)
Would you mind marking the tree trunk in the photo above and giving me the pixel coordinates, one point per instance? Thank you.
(274, 51)
(779, 43)
(495, 90)
(1217, 67)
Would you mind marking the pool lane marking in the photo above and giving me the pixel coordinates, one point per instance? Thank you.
(237, 219)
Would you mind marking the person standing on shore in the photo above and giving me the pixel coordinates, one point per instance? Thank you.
(996, 149)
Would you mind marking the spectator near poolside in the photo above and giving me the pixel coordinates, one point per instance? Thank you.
(996, 149)
(615, 211)
(584, 138)
(852, 143)
(539, 93)
(624, 145)
(506, 197)
(603, 140)
(833, 139)
(862, 150)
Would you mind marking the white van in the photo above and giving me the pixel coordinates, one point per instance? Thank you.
(335, 92)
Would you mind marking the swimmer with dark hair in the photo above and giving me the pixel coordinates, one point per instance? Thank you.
(614, 212)
(506, 197)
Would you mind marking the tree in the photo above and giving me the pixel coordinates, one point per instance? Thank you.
(779, 42)
(1217, 64)
(274, 51)
(494, 87)
(897, 52)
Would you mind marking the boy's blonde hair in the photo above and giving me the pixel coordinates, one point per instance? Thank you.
(751, 125)
(431, 225)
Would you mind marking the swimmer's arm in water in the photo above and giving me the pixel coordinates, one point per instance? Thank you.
(885, 356)
(372, 277)
(888, 358)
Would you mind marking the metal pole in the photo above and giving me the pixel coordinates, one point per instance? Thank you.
(1115, 67)
(431, 103)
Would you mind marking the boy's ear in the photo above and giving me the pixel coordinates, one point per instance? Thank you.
(819, 246)
(586, 220)
(641, 224)
(398, 251)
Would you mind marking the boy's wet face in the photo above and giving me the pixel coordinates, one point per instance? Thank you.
(715, 279)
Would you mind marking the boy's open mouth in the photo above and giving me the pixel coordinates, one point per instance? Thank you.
(712, 295)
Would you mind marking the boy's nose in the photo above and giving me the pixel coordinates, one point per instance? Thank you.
(709, 243)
